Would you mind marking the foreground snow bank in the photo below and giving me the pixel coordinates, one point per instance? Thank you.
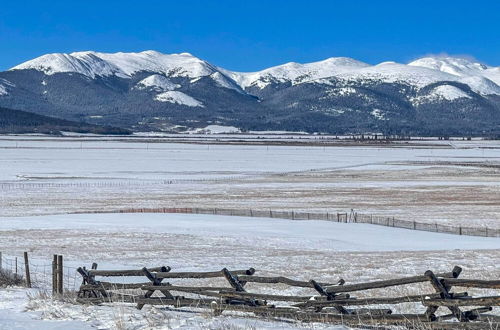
(40, 311)
(13, 302)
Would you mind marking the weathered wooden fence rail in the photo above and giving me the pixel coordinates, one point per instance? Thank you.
(353, 217)
(326, 302)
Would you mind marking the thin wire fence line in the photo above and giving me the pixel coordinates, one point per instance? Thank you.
(352, 217)
(40, 272)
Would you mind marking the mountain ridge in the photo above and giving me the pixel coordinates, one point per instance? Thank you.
(154, 91)
(92, 64)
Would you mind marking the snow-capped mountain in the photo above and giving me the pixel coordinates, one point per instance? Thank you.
(419, 73)
(92, 64)
(296, 73)
(153, 90)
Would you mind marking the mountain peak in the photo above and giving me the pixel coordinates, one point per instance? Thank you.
(92, 64)
(457, 66)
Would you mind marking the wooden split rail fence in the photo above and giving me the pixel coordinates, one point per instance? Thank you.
(327, 302)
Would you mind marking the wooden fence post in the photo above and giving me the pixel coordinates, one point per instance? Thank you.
(440, 288)
(0, 261)
(16, 266)
(155, 282)
(54, 275)
(27, 269)
(60, 274)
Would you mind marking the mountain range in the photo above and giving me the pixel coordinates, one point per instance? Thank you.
(146, 91)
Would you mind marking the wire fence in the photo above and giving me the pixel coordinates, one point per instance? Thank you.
(347, 217)
(40, 272)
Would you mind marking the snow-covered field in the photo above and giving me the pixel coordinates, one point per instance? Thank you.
(448, 181)
(321, 250)
(454, 182)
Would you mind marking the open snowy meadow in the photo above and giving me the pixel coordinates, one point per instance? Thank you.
(44, 182)
(439, 181)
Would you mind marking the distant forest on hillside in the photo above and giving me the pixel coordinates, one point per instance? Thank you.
(19, 122)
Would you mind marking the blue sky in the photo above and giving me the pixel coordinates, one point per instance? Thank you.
(251, 35)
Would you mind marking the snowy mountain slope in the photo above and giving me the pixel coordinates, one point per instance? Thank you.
(480, 77)
(492, 74)
(87, 64)
(3, 90)
(452, 65)
(418, 73)
(150, 90)
(391, 72)
(92, 64)
(481, 85)
(5, 85)
(179, 98)
(440, 93)
(296, 72)
(158, 83)
(224, 81)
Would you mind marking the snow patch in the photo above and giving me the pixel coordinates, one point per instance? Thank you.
(448, 92)
(390, 72)
(178, 98)
(224, 81)
(481, 85)
(157, 83)
(440, 93)
(343, 91)
(4, 84)
(493, 74)
(215, 129)
(452, 65)
(377, 113)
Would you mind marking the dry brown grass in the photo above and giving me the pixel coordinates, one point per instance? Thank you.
(8, 278)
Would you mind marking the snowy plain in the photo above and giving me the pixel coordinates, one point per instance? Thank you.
(43, 180)
(453, 182)
(135, 159)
